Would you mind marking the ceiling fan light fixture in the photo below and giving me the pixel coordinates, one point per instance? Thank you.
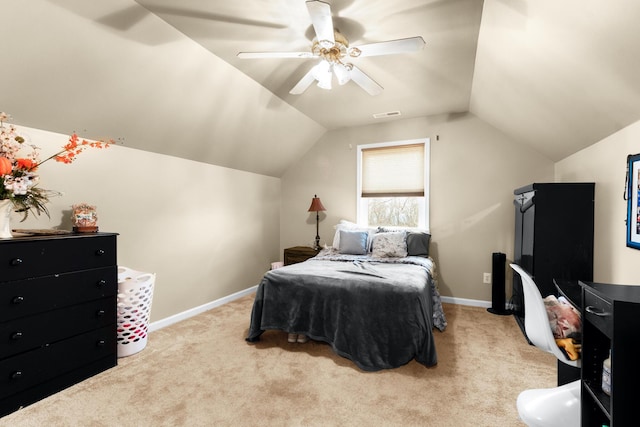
(332, 48)
(326, 44)
(342, 72)
(354, 52)
(324, 80)
(320, 69)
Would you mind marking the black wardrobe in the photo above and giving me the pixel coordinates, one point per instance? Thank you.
(553, 236)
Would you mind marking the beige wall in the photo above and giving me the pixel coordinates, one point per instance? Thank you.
(474, 170)
(206, 231)
(605, 164)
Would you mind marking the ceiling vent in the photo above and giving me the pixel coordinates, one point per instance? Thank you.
(387, 114)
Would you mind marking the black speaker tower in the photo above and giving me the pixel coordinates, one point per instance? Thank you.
(498, 285)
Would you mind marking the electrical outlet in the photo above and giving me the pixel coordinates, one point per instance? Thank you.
(486, 278)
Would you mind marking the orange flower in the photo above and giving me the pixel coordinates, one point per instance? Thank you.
(26, 164)
(75, 147)
(5, 166)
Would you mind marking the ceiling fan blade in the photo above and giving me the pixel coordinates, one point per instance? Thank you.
(320, 13)
(304, 83)
(259, 55)
(365, 82)
(412, 44)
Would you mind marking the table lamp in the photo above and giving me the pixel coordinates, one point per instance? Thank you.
(316, 206)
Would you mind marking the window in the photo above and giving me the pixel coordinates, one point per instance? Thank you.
(393, 184)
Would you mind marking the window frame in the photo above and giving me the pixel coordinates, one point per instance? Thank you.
(361, 203)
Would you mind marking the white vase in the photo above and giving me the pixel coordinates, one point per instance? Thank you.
(6, 207)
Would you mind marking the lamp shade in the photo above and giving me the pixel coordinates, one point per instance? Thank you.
(316, 205)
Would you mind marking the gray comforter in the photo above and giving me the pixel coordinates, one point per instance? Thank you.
(379, 313)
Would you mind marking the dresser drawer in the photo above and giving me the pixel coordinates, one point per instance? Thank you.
(24, 258)
(599, 312)
(29, 296)
(30, 369)
(38, 330)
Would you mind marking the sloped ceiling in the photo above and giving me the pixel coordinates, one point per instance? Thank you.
(112, 69)
(558, 76)
(163, 76)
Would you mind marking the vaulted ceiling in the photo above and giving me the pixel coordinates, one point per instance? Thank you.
(434, 80)
(163, 76)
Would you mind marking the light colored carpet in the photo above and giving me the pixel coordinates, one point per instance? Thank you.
(201, 372)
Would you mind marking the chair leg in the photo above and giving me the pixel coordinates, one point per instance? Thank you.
(551, 407)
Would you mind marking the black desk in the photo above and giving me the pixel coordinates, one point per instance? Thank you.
(571, 290)
(610, 322)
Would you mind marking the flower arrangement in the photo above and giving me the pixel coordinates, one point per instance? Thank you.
(19, 162)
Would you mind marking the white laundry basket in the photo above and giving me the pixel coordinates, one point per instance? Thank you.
(135, 293)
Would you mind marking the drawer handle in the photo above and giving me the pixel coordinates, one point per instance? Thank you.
(596, 311)
(102, 283)
(17, 300)
(16, 375)
(101, 343)
(100, 313)
(16, 262)
(100, 252)
(16, 335)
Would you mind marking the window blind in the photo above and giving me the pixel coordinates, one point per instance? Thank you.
(396, 171)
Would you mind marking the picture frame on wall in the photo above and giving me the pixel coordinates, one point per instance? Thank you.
(633, 201)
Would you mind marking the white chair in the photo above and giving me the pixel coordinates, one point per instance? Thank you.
(558, 406)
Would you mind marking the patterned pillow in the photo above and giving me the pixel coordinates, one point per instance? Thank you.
(393, 244)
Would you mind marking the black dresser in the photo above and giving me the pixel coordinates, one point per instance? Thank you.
(58, 297)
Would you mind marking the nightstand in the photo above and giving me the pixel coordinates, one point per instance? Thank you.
(298, 254)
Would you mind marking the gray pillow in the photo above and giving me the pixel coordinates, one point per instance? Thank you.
(353, 242)
(418, 244)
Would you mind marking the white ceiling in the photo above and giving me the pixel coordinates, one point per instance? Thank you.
(557, 75)
(432, 81)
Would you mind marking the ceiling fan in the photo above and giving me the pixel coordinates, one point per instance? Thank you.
(334, 52)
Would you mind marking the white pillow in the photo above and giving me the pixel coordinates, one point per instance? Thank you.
(393, 244)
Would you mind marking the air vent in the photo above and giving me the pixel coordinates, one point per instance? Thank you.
(387, 114)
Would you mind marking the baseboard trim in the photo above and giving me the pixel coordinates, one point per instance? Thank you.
(167, 321)
(465, 301)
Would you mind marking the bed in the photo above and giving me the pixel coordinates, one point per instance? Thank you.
(375, 309)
